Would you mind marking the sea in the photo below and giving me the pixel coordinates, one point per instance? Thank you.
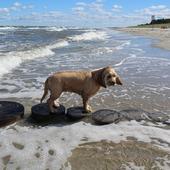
(28, 55)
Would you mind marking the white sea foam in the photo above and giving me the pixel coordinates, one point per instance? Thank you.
(62, 139)
(120, 47)
(33, 28)
(8, 28)
(58, 29)
(124, 60)
(13, 59)
(92, 35)
(60, 44)
(133, 57)
(3, 33)
(103, 50)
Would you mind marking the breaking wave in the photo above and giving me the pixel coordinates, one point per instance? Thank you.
(13, 59)
(92, 35)
(8, 28)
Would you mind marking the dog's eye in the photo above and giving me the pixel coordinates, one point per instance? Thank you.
(109, 76)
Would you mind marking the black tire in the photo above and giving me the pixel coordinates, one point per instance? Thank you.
(41, 112)
(10, 112)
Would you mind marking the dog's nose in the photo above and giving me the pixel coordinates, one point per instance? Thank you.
(113, 83)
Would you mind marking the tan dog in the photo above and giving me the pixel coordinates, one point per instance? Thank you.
(84, 83)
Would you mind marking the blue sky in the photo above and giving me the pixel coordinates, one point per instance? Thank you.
(82, 13)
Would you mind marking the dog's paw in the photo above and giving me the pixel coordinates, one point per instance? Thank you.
(56, 104)
(88, 109)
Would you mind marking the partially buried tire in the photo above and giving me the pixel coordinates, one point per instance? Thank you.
(10, 112)
(41, 112)
(106, 116)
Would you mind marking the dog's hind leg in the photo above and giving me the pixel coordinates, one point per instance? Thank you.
(54, 96)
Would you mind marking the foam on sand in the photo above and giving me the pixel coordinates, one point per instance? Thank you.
(49, 147)
(11, 60)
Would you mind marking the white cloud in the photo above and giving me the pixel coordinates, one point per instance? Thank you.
(27, 7)
(15, 7)
(157, 7)
(17, 4)
(4, 10)
(160, 11)
(81, 4)
(116, 8)
(96, 6)
(78, 9)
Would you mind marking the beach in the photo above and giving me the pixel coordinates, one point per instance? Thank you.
(28, 55)
(163, 35)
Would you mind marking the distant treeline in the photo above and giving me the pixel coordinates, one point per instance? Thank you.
(160, 21)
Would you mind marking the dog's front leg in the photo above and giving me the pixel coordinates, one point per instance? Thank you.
(87, 108)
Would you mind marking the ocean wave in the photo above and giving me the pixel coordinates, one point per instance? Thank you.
(12, 59)
(3, 33)
(33, 28)
(57, 29)
(7, 28)
(92, 35)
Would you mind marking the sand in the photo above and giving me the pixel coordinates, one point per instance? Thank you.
(125, 155)
(163, 35)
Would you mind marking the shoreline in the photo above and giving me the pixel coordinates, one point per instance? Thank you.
(163, 35)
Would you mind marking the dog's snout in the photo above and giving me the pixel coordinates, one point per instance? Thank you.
(118, 81)
(113, 83)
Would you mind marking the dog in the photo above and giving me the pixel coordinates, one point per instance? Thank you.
(84, 83)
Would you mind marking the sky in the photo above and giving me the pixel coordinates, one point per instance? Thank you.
(82, 13)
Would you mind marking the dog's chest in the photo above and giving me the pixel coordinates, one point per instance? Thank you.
(91, 88)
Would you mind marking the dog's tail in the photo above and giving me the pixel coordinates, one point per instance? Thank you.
(45, 90)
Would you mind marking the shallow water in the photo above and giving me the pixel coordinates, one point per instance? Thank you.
(32, 54)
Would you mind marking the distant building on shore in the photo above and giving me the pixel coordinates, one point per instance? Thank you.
(153, 18)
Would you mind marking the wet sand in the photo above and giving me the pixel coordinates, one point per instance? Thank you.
(163, 35)
(105, 155)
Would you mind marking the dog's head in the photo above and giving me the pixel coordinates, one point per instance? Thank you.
(106, 77)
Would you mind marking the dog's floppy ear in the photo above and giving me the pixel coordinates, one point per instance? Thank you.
(98, 76)
(118, 81)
